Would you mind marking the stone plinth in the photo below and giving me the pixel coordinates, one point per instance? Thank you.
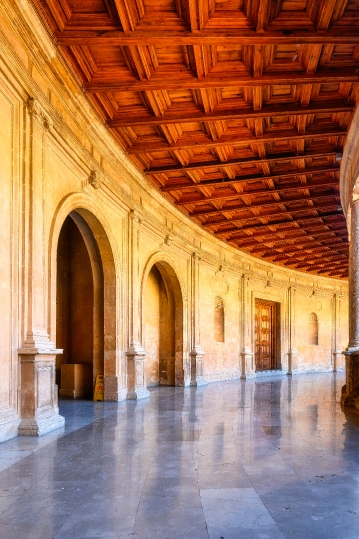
(197, 355)
(293, 360)
(136, 379)
(114, 390)
(39, 406)
(76, 379)
(247, 366)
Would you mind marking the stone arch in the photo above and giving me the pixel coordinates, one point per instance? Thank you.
(313, 329)
(100, 245)
(171, 368)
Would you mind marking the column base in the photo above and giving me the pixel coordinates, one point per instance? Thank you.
(247, 367)
(38, 427)
(293, 360)
(137, 394)
(136, 377)
(197, 355)
(350, 391)
(114, 392)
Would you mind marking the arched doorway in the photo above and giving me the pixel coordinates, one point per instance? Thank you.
(163, 327)
(79, 309)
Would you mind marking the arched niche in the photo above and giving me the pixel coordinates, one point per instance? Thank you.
(162, 325)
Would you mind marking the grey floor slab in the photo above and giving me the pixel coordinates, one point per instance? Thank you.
(270, 458)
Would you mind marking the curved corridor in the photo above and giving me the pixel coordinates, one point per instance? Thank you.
(268, 458)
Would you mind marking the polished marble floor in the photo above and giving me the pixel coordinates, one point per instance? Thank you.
(270, 458)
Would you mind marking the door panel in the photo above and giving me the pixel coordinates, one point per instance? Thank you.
(265, 316)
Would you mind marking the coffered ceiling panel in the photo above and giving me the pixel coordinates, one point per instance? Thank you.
(237, 110)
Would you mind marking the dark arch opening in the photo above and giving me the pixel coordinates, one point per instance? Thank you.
(80, 309)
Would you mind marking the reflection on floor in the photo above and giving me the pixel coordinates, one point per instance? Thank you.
(266, 459)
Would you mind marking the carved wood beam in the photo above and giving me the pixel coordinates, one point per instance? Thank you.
(269, 233)
(179, 186)
(175, 81)
(246, 193)
(196, 142)
(324, 206)
(99, 38)
(196, 213)
(294, 222)
(270, 159)
(268, 111)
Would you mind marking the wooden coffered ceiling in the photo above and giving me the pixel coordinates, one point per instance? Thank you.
(237, 110)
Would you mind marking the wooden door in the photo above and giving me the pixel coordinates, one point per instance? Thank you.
(265, 315)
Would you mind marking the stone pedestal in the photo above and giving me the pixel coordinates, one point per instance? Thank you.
(197, 356)
(39, 406)
(350, 391)
(136, 378)
(247, 366)
(293, 359)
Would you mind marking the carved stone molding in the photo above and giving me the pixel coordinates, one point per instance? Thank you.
(135, 216)
(94, 180)
(35, 111)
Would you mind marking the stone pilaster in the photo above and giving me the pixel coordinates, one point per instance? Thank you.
(337, 353)
(38, 407)
(196, 354)
(350, 391)
(246, 354)
(293, 354)
(136, 377)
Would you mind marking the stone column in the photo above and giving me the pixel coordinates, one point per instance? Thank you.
(350, 391)
(38, 408)
(337, 351)
(247, 355)
(196, 354)
(293, 354)
(136, 378)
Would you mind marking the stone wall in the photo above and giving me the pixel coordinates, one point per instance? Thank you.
(58, 158)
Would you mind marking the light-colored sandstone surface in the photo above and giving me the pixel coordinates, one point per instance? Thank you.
(148, 323)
